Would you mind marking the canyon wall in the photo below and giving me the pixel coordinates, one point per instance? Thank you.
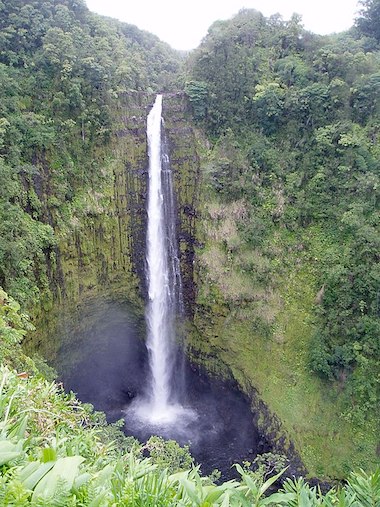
(100, 250)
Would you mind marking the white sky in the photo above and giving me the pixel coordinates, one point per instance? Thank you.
(184, 24)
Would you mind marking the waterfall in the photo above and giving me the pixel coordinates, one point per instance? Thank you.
(161, 405)
(163, 273)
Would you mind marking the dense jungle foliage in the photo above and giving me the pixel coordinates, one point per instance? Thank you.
(293, 124)
(62, 69)
(294, 119)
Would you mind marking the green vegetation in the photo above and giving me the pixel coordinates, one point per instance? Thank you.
(288, 272)
(290, 228)
(63, 73)
(54, 451)
(368, 22)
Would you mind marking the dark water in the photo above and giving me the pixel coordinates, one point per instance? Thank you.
(103, 359)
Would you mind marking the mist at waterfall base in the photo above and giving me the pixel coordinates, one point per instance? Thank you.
(102, 357)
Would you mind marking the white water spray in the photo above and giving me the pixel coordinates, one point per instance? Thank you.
(158, 312)
(161, 406)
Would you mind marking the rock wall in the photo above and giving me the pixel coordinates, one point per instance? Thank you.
(100, 256)
(101, 247)
(185, 163)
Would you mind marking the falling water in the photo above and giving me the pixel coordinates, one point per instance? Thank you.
(159, 314)
(215, 425)
(162, 403)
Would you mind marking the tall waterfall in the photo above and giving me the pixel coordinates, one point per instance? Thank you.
(161, 407)
(163, 272)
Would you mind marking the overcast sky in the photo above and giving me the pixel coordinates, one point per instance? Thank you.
(184, 24)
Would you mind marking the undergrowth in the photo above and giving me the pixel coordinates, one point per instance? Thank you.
(52, 454)
(56, 452)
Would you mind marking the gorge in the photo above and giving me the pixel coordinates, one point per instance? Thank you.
(157, 392)
(272, 134)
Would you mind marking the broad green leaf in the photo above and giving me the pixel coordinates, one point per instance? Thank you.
(97, 502)
(178, 476)
(304, 500)
(251, 484)
(267, 484)
(190, 490)
(239, 469)
(214, 495)
(27, 470)
(81, 479)
(64, 468)
(226, 500)
(242, 500)
(278, 498)
(18, 429)
(33, 479)
(104, 475)
(48, 454)
(10, 451)
(8, 446)
(7, 456)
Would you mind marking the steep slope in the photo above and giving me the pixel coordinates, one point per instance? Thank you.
(71, 89)
(289, 273)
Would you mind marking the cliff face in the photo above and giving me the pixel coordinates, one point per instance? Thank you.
(100, 251)
(100, 254)
(185, 163)
(231, 304)
(105, 251)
